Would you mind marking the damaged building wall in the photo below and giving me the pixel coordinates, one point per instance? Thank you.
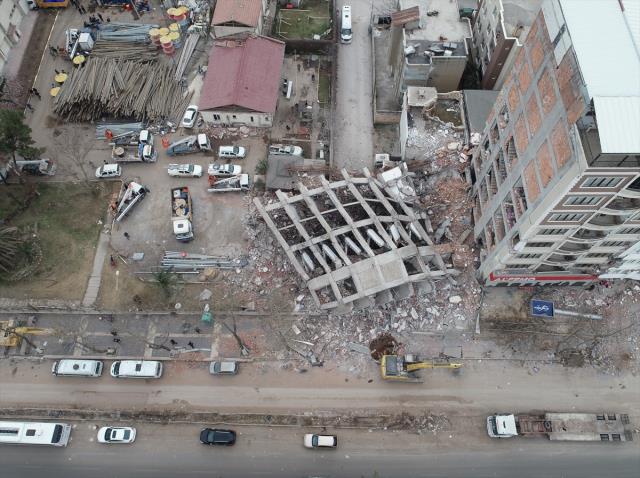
(358, 241)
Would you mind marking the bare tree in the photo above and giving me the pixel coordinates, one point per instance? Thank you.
(244, 350)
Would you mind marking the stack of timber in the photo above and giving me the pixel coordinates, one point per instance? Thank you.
(121, 89)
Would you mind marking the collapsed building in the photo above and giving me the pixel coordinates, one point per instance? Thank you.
(358, 241)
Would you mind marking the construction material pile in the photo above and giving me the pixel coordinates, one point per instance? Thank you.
(125, 50)
(130, 32)
(121, 89)
(183, 261)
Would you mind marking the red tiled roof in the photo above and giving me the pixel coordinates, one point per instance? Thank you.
(244, 12)
(244, 74)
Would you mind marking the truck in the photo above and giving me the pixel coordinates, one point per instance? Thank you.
(234, 183)
(190, 144)
(139, 149)
(612, 427)
(131, 194)
(182, 214)
(36, 167)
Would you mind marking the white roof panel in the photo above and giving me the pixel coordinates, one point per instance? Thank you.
(603, 40)
(618, 120)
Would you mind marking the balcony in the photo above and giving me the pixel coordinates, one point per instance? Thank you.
(603, 222)
(574, 248)
(623, 205)
(586, 236)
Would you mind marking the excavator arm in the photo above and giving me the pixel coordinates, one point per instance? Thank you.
(431, 364)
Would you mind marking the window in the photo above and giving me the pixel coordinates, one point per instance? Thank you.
(566, 217)
(529, 256)
(31, 432)
(604, 437)
(251, 118)
(216, 117)
(611, 417)
(629, 230)
(582, 201)
(597, 254)
(600, 182)
(615, 437)
(8, 431)
(599, 417)
(234, 116)
(613, 243)
(552, 232)
(539, 244)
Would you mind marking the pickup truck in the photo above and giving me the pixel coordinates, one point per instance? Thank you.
(223, 170)
(190, 144)
(234, 183)
(285, 149)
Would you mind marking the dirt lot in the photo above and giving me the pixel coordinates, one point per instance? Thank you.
(66, 221)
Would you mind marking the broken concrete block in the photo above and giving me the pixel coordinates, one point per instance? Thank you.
(205, 294)
(358, 348)
(455, 299)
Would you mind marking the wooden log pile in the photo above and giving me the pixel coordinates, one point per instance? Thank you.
(107, 87)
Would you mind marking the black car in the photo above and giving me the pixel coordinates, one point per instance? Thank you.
(214, 436)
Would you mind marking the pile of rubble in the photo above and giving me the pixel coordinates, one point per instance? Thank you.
(427, 422)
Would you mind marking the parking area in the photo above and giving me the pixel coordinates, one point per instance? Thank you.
(217, 217)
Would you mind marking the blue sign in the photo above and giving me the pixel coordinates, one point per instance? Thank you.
(542, 308)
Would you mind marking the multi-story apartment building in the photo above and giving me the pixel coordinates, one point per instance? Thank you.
(11, 14)
(557, 172)
(499, 28)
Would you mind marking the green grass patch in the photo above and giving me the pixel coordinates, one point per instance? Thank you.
(324, 87)
(63, 219)
(312, 18)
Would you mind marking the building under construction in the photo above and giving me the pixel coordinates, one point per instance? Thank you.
(358, 241)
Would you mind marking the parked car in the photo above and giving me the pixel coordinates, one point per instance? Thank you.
(190, 116)
(225, 152)
(320, 441)
(116, 435)
(109, 171)
(224, 170)
(223, 368)
(216, 436)
(185, 170)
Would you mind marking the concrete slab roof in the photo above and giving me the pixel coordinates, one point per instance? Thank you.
(445, 26)
(477, 105)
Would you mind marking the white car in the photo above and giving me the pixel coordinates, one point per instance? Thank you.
(320, 441)
(224, 170)
(116, 435)
(190, 116)
(185, 170)
(109, 171)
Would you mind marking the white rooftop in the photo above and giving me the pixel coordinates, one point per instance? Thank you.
(605, 40)
(446, 24)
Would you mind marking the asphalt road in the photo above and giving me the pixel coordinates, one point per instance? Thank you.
(483, 387)
(162, 451)
(353, 123)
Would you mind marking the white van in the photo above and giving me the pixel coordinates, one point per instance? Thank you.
(346, 34)
(234, 152)
(108, 171)
(77, 368)
(136, 369)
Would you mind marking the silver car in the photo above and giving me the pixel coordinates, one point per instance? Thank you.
(223, 368)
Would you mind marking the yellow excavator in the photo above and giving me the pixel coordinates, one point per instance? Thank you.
(404, 368)
(11, 333)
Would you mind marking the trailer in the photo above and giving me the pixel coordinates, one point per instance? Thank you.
(613, 427)
(131, 195)
(234, 183)
(190, 144)
(182, 214)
